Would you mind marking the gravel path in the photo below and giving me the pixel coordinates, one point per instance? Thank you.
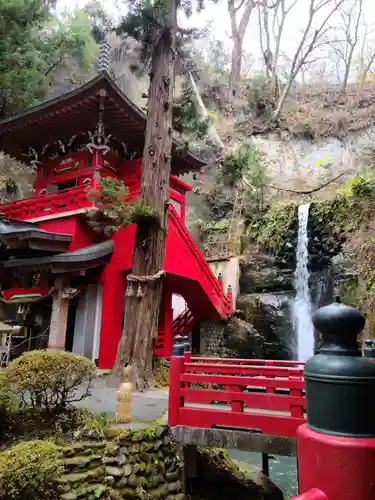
(147, 406)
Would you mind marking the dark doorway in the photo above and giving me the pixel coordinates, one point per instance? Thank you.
(70, 326)
(196, 340)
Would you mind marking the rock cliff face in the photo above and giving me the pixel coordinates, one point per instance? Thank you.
(266, 293)
(262, 324)
(313, 161)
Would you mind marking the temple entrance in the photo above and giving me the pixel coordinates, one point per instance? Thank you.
(85, 314)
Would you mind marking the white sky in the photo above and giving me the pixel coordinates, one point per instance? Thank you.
(218, 16)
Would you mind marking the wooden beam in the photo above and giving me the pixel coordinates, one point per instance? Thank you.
(235, 439)
(59, 317)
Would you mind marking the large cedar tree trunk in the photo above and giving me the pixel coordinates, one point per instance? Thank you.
(141, 316)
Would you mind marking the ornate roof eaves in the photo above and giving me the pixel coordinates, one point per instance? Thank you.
(19, 120)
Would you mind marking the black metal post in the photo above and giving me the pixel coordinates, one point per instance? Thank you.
(338, 380)
(178, 348)
(369, 349)
(186, 343)
(266, 464)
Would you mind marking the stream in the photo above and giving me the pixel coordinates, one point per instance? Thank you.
(283, 470)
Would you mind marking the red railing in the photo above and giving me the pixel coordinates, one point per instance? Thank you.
(253, 394)
(58, 202)
(313, 494)
(65, 200)
(213, 287)
(182, 325)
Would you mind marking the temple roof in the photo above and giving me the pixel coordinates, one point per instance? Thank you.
(77, 112)
(15, 234)
(79, 260)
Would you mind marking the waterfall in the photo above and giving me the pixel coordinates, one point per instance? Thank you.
(302, 322)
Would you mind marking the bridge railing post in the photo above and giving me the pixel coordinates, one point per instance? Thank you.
(336, 446)
(177, 368)
(187, 348)
(296, 411)
(236, 404)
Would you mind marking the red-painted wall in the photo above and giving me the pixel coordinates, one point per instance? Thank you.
(82, 234)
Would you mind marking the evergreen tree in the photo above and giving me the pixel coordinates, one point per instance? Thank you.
(154, 24)
(33, 43)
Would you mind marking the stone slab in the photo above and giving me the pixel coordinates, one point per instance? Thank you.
(233, 439)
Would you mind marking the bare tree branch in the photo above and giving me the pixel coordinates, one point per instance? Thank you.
(238, 31)
(310, 191)
(366, 55)
(305, 47)
(348, 29)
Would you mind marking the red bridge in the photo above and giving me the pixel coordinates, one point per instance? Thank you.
(260, 406)
(249, 404)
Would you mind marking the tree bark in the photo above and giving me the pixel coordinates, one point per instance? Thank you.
(141, 318)
(238, 31)
(235, 68)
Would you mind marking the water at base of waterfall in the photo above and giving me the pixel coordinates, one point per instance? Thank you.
(302, 322)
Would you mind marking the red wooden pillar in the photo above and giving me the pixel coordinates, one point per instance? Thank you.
(97, 164)
(166, 318)
(183, 209)
(175, 401)
(112, 309)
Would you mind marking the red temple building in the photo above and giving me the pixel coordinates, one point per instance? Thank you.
(49, 251)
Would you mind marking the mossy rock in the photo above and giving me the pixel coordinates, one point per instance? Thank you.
(114, 471)
(275, 230)
(159, 492)
(84, 476)
(79, 462)
(264, 277)
(220, 478)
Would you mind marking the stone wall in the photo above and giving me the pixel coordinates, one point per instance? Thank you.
(230, 271)
(139, 464)
(119, 464)
(235, 338)
(212, 339)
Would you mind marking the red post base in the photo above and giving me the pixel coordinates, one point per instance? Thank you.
(341, 467)
(313, 494)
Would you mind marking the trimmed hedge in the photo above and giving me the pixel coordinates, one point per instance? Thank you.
(5, 394)
(49, 380)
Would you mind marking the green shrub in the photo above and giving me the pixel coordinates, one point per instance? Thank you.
(275, 229)
(27, 471)
(48, 380)
(260, 96)
(247, 161)
(5, 394)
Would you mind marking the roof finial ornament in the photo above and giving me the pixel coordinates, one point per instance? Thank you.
(104, 57)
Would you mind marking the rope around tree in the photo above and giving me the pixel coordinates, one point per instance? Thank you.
(134, 280)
